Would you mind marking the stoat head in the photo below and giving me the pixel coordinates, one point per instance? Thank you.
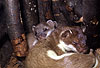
(73, 39)
(43, 30)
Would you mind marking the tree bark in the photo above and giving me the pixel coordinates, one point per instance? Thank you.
(44, 9)
(91, 21)
(59, 17)
(15, 28)
(29, 14)
(90, 16)
(3, 30)
(5, 52)
(66, 14)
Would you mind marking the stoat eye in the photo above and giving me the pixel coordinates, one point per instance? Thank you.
(74, 42)
(35, 33)
(65, 34)
(45, 29)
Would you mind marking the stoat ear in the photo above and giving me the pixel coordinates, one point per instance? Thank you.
(83, 29)
(52, 23)
(55, 24)
(65, 33)
(33, 28)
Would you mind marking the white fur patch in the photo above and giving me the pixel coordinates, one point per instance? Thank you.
(49, 21)
(64, 47)
(49, 32)
(53, 55)
(32, 44)
(35, 42)
(96, 64)
(70, 31)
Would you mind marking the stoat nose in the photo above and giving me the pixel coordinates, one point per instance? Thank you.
(82, 49)
(41, 35)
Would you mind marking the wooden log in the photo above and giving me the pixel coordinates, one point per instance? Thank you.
(41, 12)
(14, 63)
(3, 30)
(29, 14)
(44, 9)
(65, 13)
(91, 21)
(1, 4)
(90, 16)
(59, 17)
(74, 9)
(5, 52)
(47, 10)
(89, 10)
(15, 28)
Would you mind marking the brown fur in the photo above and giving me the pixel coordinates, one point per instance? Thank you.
(30, 39)
(37, 57)
(77, 38)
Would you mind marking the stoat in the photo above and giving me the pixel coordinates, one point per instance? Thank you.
(64, 48)
(40, 32)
